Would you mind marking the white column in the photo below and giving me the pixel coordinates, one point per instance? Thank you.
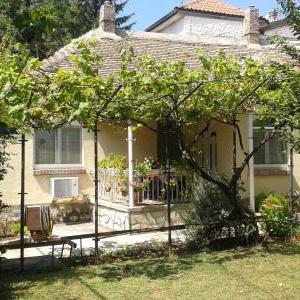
(130, 165)
(251, 162)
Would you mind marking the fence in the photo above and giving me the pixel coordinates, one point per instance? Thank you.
(113, 186)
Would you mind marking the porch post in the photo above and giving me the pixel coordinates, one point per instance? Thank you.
(96, 188)
(130, 165)
(22, 208)
(251, 162)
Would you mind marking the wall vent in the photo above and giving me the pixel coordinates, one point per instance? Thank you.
(64, 187)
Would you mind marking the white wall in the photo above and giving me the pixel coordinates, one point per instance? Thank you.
(176, 28)
(206, 26)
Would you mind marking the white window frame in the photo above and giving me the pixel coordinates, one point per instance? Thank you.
(58, 153)
(270, 166)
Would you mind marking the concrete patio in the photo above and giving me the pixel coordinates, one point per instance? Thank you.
(41, 256)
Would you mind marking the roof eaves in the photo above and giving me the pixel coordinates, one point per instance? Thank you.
(163, 19)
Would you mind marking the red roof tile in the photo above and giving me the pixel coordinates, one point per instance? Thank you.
(213, 6)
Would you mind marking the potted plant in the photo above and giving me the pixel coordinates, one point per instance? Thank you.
(124, 191)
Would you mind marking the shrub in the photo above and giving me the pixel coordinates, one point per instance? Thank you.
(214, 219)
(259, 199)
(113, 161)
(276, 213)
(15, 229)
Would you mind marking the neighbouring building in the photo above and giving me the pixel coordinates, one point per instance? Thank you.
(59, 164)
(215, 18)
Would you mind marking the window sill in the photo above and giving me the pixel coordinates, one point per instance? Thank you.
(271, 171)
(59, 171)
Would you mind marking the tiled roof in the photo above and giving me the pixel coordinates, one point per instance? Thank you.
(161, 46)
(213, 6)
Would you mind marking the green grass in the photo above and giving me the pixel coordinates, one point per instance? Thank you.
(272, 272)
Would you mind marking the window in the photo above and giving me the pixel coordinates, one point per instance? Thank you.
(59, 146)
(273, 152)
(170, 139)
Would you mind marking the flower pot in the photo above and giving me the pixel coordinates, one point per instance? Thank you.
(124, 193)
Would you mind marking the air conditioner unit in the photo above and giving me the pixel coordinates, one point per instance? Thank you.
(64, 187)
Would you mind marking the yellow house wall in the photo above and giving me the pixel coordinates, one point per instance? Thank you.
(113, 140)
(38, 187)
(263, 184)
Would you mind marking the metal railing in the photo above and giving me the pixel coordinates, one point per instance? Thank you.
(113, 186)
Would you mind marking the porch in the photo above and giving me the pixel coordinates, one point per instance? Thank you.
(134, 191)
(149, 206)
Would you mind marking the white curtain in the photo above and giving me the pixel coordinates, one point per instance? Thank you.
(44, 147)
(70, 145)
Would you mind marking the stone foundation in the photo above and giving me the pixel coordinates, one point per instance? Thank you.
(68, 212)
(120, 217)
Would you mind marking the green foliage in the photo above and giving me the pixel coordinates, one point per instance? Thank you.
(47, 25)
(296, 231)
(113, 161)
(143, 168)
(259, 200)
(146, 89)
(15, 228)
(212, 218)
(291, 10)
(276, 213)
(26, 98)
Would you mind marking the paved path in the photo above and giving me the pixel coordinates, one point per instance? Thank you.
(111, 243)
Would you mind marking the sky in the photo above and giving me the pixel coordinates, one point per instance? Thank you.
(149, 11)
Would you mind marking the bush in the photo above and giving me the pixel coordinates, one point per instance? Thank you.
(276, 213)
(259, 200)
(214, 219)
(16, 228)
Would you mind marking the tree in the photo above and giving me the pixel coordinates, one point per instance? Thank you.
(46, 26)
(26, 101)
(291, 10)
(193, 100)
(168, 92)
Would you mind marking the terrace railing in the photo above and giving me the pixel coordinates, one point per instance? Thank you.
(113, 186)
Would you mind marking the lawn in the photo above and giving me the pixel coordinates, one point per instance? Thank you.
(271, 272)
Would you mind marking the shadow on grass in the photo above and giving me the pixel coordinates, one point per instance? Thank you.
(13, 285)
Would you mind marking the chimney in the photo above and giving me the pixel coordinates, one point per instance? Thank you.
(273, 15)
(107, 17)
(251, 25)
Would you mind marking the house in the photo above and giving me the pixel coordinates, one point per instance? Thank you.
(60, 164)
(215, 18)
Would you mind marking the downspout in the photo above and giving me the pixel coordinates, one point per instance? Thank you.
(251, 162)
